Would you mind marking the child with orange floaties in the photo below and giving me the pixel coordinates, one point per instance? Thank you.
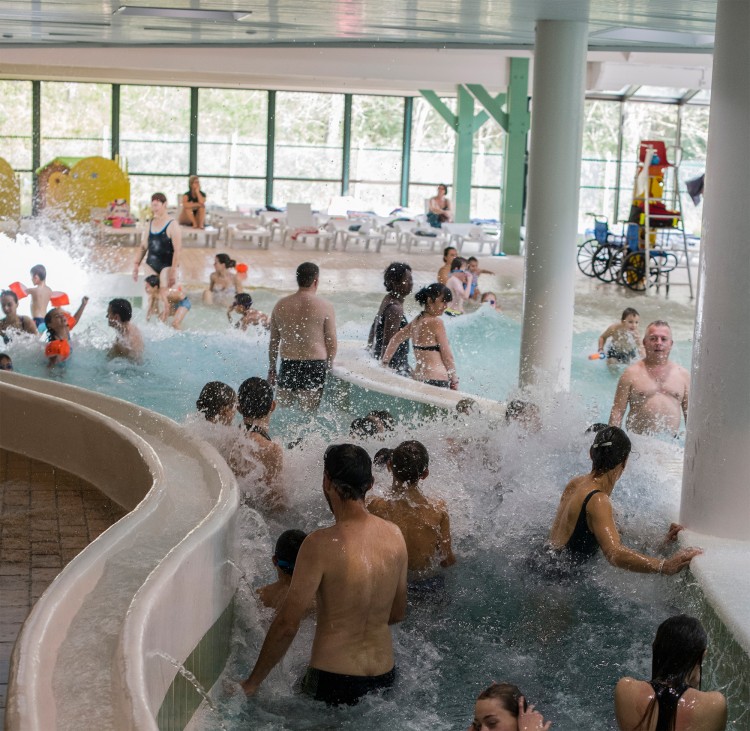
(41, 295)
(59, 323)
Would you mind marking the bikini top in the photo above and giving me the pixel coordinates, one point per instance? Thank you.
(667, 698)
(254, 429)
(582, 543)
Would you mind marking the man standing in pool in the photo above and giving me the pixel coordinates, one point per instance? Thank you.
(655, 388)
(303, 332)
(355, 571)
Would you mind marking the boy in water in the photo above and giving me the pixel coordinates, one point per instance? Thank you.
(128, 341)
(475, 271)
(424, 522)
(40, 294)
(243, 306)
(176, 306)
(625, 339)
(284, 558)
(58, 324)
(459, 283)
(256, 403)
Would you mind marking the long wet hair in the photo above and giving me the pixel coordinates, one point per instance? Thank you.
(678, 647)
(611, 448)
(226, 260)
(433, 292)
(506, 694)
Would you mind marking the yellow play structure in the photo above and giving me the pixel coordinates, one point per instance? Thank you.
(10, 193)
(72, 186)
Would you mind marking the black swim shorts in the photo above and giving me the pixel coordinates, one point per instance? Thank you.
(335, 689)
(438, 384)
(302, 375)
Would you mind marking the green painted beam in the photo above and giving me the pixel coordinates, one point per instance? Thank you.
(346, 155)
(492, 104)
(440, 107)
(479, 120)
(514, 173)
(463, 156)
(406, 150)
(115, 146)
(270, 145)
(193, 164)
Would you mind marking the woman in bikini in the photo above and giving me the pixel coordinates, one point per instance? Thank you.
(12, 320)
(672, 700)
(585, 521)
(432, 351)
(224, 281)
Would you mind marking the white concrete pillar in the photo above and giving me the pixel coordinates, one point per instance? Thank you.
(716, 478)
(552, 213)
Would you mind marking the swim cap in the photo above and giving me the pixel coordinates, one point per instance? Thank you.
(60, 348)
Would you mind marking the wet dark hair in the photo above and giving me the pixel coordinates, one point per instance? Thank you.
(287, 548)
(433, 292)
(457, 263)
(153, 280)
(215, 396)
(447, 249)
(122, 308)
(394, 275)
(363, 427)
(472, 258)
(9, 293)
(40, 271)
(254, 398)
(518, 409)
(159, 197)
(507, 694)
(307, 273)
(628, 311)
(596, 427)
(349, 468)
(678, 647)
(611, 448)
(409, 461)
(382, 457)
(3, 358)
(385, 417)
(226, 260)
(467, 406)
(243, 299)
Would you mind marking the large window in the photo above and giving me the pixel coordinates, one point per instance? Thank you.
(375, 162)
(15, 134)
(154, 139)
(487, 171)
(308, 153)
(232, 146)
(693, 138)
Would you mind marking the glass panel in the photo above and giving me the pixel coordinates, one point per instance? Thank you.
(432, 145)
(663, 92)
(309, 135)
(76, 120)
(232, 132)
(155, 130)
(702, 97)
(317, 193)
(485, 203)
(419, 195)
(487, 167)
(142, 187)
(15, 123)
(234, 193)
(693, 135)
(377, 132)
(382, 198)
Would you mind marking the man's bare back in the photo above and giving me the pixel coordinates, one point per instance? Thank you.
(304, 324)
(655, 389)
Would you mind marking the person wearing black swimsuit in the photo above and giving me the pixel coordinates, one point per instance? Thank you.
(161, 246)
(585, 522)
(398, 282)
(672, 700)
(193, 211)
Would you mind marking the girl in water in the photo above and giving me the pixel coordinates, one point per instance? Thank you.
(398, 282)
(224, 280)
(502, 707)
(672, 699)
(585, 521)
(432, 351)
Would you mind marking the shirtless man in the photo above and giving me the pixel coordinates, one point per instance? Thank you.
(303, 332)
(424, 522)
(128, 341)
(654, 388)
(356, 573)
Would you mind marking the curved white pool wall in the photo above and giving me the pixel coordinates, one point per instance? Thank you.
(125, 451)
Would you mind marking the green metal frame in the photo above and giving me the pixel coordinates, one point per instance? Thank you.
(115, 122)
(406, 150)
(270, 145)
(193, 164)
(346, 152)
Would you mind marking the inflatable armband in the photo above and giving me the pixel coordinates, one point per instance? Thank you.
(59, 348)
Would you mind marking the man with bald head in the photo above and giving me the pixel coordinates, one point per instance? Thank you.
(655, 389)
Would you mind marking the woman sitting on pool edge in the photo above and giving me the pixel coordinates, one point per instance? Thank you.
(585, 522)
(432, 351)
(502, 707)
(672, 699)
(223, 281)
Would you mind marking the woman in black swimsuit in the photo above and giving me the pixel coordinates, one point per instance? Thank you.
(672, 699)
(193, 212)
(161, 246)
(584, 521)
(432, 351)
(398, 282)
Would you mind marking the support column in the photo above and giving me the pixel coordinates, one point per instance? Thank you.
(554, 179)
(406, 151)
(193, 147)
(463, 156)
(346, 152)
(715, 494)
(270, 145)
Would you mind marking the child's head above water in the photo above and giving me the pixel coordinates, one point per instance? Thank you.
(631, 318)
(458, 263)
(255, 398)
(152, 282)
(38, 274)
(242, 301)
(410, 462)
(6, 364)
(287, 548)
(217, 402)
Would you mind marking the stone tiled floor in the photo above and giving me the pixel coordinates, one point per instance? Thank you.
(47, 516)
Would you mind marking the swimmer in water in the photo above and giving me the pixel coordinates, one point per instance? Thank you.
(585, 521)
(424, 522)
(224, 281)
(40, 294)
(490, 299)
(13, 322)
(243, 306)
(6, 363)
(177, 303)
(524, 413)
(128, 340)
(449, 254)
(217, 402)
(655, 389)
(58, 324)
(672, 699)
(459, 284)
(472, 266)
(624, 339)
(502, 707)
(284, 559)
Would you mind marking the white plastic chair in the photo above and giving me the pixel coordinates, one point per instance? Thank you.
(367, 233)
(301, 226)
